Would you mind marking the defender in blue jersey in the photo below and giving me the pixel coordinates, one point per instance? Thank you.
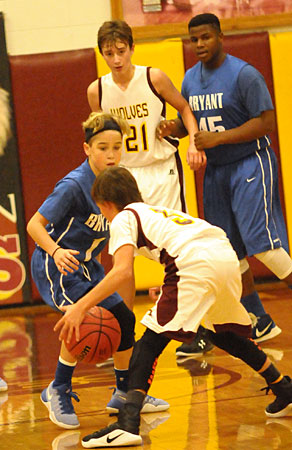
(234, 111)
(70, 233)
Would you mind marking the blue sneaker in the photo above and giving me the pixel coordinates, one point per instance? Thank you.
(150, 404)
(58, 400)
(263, 328)
(3, 385)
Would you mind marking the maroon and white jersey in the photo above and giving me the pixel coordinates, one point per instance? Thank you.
(143, 108)
(202, 280)
(156, 231)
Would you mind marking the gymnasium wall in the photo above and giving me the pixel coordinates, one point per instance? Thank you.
(49, 92)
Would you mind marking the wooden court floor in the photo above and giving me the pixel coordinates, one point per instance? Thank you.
(216, 401)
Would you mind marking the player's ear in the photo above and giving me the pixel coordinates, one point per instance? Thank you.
(86, 148)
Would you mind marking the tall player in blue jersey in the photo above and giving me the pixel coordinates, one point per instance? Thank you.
(234, 111)
(70, 233)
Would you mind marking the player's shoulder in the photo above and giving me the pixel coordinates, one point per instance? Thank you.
(157, 74)
(192, 70)
(93, 86)
(79, 175)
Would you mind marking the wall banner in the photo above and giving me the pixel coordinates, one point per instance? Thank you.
(14, 266)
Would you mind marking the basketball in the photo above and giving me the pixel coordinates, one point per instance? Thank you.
(100, 337)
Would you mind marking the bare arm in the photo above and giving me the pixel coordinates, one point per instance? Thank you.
(120, 276)
(64, 258)
(167, 90)
(128, 292)
(252, 129)
(93, 96)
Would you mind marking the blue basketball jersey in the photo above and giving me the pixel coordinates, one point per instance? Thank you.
(226, 98)
(75, 220)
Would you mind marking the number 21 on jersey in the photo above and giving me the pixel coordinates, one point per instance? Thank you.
(137, 138)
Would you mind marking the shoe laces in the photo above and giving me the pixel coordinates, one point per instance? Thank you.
(149, 399)
(268, 388)
(65, 398)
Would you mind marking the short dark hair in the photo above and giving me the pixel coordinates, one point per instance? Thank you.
(205, 19)
(117, 185)
(112, 31)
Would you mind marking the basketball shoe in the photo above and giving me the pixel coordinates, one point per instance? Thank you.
(125, 432)
(282, 405)
(200, 345)
(58, 400)
(3, 385)
(263, 328)
(150, 404)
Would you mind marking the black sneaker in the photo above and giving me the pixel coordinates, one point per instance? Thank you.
(111, 436)
(200, 345)
(282, 405)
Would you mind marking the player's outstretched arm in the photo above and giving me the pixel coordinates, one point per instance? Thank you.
(167, 90)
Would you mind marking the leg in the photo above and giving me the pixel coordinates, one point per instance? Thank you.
(57, 397)
(122, 357)
(248, 351)
(141, 372)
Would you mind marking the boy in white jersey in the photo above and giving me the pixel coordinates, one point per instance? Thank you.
(139, 95)
(202, 281)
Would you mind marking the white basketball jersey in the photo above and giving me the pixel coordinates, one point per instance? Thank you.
(161, 233)
(143, 108)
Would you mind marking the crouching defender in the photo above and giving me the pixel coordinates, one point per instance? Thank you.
(202, 281)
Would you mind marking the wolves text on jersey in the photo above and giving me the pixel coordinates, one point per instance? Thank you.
(131, 112)
(206, 101)
(97, 222)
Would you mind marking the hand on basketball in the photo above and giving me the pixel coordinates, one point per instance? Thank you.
(65, 260)
(164, 128)
(195, 158)
(70, 322)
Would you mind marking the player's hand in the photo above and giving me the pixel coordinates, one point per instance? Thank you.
(165, 128)
(65, 260)
(70, 322)
(206, 139)
(195, 158)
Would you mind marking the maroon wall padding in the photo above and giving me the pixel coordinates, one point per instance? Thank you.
(255, 49)
(49, 95)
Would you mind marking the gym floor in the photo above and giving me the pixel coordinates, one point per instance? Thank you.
(216, 401)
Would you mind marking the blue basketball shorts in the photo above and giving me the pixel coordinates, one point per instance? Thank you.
(58, 290)
(243, 199)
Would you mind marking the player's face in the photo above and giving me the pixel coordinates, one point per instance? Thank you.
(207, 44)
(118, 56)
(104, 150)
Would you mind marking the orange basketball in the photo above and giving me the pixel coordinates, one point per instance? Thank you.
(100, 337)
